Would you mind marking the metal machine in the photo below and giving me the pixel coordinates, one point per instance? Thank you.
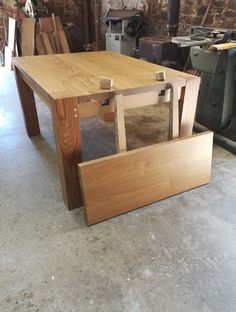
(124, 29)
(160, 49)
(216, 107)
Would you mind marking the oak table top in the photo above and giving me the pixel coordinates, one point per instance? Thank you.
(79, 74)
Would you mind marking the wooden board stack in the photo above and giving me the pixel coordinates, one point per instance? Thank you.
(51, 37)
(37, 38)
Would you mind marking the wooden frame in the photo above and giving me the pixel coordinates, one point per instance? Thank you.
(119, 183)
(122, 103)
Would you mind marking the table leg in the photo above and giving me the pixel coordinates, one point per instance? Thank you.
(28, 106)
(188, 109)
(67, 135)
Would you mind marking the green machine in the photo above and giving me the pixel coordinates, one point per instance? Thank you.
(216, 107)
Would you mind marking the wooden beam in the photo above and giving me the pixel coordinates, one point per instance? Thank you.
(63, 42)
(189, 106)
(55, 34)
(46, 43)
(120, 124)
(140, 100)
(117, 184)
(174, 113)
(28, 36)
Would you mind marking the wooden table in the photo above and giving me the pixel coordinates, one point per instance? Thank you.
(69, 85)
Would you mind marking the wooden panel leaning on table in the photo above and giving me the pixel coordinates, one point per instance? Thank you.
(116, 184)
(120, 183)
(69, 85)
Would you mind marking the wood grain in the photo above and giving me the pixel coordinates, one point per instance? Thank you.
(28, 36)
(140, 100)
(188, 108)
(63, 42)
(27, 100)
(174, 113)
(55, 33)
(79, 74)
(38, 41)
(94, 108)
(117, 184)
(63, 80)
(67, 134)
(120, 124)
(46, 24)
(46, 43)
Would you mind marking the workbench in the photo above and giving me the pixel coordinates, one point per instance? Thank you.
(69, 85)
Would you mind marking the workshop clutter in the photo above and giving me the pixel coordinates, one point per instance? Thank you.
(45, 36)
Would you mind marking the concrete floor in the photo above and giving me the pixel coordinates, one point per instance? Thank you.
(176, 255)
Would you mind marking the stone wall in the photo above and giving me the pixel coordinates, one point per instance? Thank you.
(68, 10)
(2, 35)
(222, 14)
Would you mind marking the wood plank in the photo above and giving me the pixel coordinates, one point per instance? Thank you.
(55, 33)
(52, 41)
(46, 43)
(189, 106)
(174, 113)
(223, 46)
(89, 109)
(39, 45)
(93, 108)
(28, 36)
(117, 184)
(120, 124)
(66, 127)
(63, 42)
(11, 33)
(46, 24)
(140, 100)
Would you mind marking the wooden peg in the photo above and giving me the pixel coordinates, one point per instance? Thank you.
(106, 83)
(161, 75)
